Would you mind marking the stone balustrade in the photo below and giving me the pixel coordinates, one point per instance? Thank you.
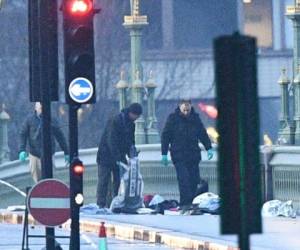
(280, 166)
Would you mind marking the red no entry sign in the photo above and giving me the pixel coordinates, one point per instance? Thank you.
(49, 202)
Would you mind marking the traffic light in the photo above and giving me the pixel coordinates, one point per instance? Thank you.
(79, 51)
(43, 48)
(238, 126)
(76, 181)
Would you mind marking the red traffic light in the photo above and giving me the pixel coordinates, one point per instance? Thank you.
(78, 169)
(210, 110)
(80, 7)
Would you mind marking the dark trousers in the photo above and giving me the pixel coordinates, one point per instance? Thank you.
(105, 172)
(188, 178)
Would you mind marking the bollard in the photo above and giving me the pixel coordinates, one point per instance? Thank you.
(102, 237)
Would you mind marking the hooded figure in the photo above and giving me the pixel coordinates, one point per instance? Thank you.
(115, 144)
(182, 133)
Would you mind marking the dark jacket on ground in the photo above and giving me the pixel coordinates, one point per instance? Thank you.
(183, 135)
(116, 140)
(31, 133)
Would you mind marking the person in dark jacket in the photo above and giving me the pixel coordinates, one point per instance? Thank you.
(31, 133)
(115, 144)
(182, 132)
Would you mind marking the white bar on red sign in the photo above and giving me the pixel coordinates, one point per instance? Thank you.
(58, 203)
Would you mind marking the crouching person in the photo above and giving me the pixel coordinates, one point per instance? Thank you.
(115, 144)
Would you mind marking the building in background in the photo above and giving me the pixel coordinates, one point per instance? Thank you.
(180, 24)
(184, 33)
(177, 48)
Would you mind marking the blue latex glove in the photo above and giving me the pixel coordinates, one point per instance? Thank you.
(164, 160)
(22, 156)
(210, 154)
(67, 158)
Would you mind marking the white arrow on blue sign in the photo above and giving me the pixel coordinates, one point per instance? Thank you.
(81, 90)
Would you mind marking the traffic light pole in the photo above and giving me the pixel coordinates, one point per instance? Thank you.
(79, 58)
(73, 142)
(45, 9)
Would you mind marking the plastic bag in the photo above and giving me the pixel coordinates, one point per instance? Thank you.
(275, 208)
(129, 197)
(156, 200)
(207, 202)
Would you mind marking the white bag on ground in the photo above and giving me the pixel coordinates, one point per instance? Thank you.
(275, 208)
(208, 202)
(130, 195)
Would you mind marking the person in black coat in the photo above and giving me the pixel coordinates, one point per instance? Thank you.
(182, 132)
(31, 134)
(115, 144)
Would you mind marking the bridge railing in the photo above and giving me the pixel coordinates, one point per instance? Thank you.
(280, 166)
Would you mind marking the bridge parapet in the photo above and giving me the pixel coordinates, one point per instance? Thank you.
(280, 167)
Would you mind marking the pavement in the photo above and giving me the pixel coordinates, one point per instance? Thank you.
(199, 232)
(88, 241)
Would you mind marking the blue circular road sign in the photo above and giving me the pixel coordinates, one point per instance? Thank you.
(81, 90)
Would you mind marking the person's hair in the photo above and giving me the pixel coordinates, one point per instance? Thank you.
(135, 108)
(185, 100)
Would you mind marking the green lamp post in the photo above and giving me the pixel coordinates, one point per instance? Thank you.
(146, 128)
(135, 23)
(152, 131)
(297, 106)
(284, 133)
(293, 13)
(137, 92)
(4, 149)
(122, 87)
